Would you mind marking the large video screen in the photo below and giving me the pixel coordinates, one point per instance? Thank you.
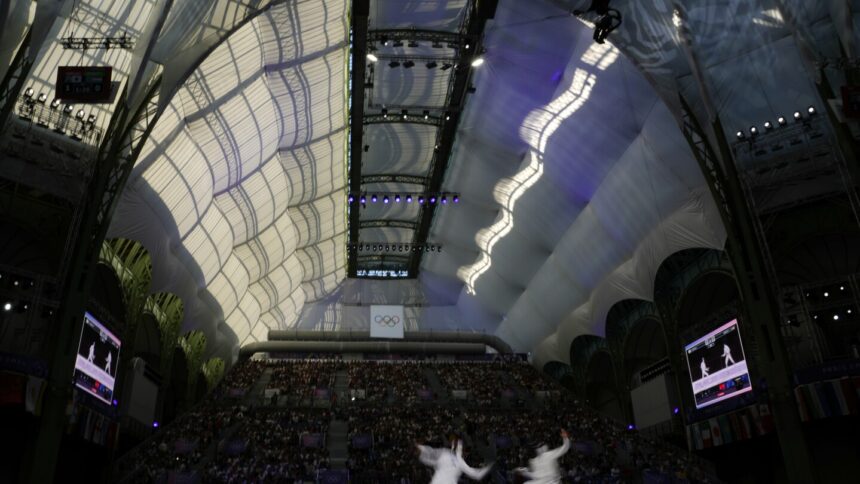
(97, 360)
(718, 366)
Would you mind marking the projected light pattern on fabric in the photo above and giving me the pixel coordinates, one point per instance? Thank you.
(717, 365)
(97, 359)
(536, 130)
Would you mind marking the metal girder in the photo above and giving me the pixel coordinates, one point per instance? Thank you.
(394, 178)
(398, 117)
(477, 20)
(416, 35)
(13, 81)
(359, 19)
(400, 224)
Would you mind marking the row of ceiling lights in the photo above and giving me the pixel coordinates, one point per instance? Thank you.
(404, 113)
(476, 62)
(781, 121)
(414, 44)
(42, 98)
(397, 198)
(394, 247)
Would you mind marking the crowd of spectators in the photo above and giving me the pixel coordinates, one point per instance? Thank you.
(483, 382)
(300, 378)
(273, 446)
(395, 381)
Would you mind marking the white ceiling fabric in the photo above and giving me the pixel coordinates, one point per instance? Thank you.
(238, 194)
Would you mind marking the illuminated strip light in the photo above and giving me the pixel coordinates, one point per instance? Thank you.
(537, 128)
(770, 18)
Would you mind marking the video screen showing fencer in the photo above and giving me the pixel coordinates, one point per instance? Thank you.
(717, 365)
(97, 360)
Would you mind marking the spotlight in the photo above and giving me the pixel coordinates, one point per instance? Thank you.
(444, 200)
(393, 64)
(477, 62)
(397, 198)
(400, 248)
(384, 40)
(80, 114)
(741, 135)
(781, 120)
(360, 247)
(363, 200)
(753, 130)
(366, 246)
(28, 93)
(467, 46)
(826, 294)
(69, 108)
(42, 98)
(420, 200)
(55, 103)
(426, 114)
(811, 110)
(446, 66)
(447, 117)
(7, 306)
(373, 198)
(432, 199)
(768, 126)
(155, 424)
(386, 247)
(385, 199)
(408, 198)
(351, 199)
(431, 65)
(91, 119)
(630, 427)
(374, 247)
(676, 410)
(372, 58)
(405, 113)
(408, 64)
(384, 113)
(836, 317)
(797, 116)
(456, 199)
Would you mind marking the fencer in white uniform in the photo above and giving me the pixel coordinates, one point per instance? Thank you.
(543, 469)
(448, 464)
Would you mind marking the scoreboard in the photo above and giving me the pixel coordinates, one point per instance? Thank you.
(88, 84)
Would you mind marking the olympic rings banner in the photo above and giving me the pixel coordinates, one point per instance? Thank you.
(386, 322)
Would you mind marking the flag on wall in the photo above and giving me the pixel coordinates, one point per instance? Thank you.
(386, 322)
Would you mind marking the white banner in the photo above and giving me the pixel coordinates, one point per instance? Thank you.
(386, 322)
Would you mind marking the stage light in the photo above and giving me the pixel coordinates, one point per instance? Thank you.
(69, 108)
(393, 64)
(360, 247)
(386, 247)
(397, 198)
(477, 62)
(351, 199)
(836, 317)
(55, 103)
(456, 199)
(447, 117)
(849, 311)
(408, 198)
(676, 410)
(811, 110)
(384, 113)
(374, 247)
(7, 306)
(363, 200)
(740, 135)
(42, 98)
(630, 427)
(768, 126)
(446, 66)
(408, 64)
(826, 294)
(372, 58)
(432, 199)
(91, 119)
(366, 246)
(373, 198)
(841, 288)
(420, 200)
(28, 93)
(155, 425)
(753, 130)
(385, 199)
(405, 113)
(781, 120)
(467, 46)
(384, 40)
(444, 200)
(431, 65)
(797, 116)
(426, 114)
(80, 114)
(115, 403)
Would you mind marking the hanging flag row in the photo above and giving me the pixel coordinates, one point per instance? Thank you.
(746, 423)
(828, 398)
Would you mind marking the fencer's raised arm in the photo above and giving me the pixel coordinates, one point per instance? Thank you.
(427, 455)
(565, 446)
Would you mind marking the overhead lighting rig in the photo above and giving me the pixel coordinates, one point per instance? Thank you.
(86, 43)
(421, 198)
(401, 247)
